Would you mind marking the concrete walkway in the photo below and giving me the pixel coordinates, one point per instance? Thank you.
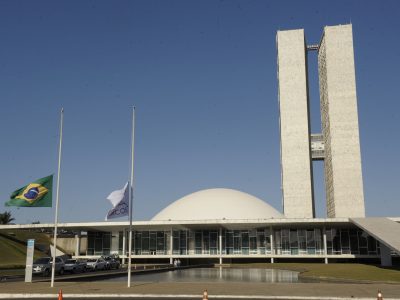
(323, 290)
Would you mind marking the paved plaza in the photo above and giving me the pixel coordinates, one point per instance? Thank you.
(343, 290)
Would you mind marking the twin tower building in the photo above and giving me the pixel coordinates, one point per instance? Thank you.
(338, 145)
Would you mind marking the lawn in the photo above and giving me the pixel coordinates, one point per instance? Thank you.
(12, 253)
(348, 271)
(24, 235)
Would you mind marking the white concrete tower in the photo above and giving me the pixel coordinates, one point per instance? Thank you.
(343, 174)
(297, 188)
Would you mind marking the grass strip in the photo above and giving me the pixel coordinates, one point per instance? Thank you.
(344, 271)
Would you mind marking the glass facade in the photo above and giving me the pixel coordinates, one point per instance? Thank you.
(149, 242)
(257, 241)
(263, 241)
(350, 241)
(99, 243)
(299, 241)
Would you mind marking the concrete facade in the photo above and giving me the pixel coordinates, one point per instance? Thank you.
(339, 143)
(70, 245)
(343, 174)
(296, 170)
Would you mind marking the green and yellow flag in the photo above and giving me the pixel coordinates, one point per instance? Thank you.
(35, 194)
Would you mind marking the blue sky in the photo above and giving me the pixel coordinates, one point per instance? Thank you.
(202, 75)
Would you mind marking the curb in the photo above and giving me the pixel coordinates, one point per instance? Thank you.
(170, 296)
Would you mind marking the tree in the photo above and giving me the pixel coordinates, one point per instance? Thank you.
(5, 218)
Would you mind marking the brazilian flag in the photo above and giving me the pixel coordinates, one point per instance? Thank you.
(35, 194)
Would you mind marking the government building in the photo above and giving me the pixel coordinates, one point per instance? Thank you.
(226, 226)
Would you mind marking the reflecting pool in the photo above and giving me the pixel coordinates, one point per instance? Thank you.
(217, 275)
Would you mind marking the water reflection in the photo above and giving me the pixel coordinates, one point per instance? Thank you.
(218, 275)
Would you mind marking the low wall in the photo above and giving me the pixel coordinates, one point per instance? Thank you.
(67, 245)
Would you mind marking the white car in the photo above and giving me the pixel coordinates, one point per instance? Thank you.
(95, 264)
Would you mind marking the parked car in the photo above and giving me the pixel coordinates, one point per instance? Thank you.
(96, 264)
(75, 266)
(43, 265)
(111, 262)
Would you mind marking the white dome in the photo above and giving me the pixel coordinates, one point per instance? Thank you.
(217, 204)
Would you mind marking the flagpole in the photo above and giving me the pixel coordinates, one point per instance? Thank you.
(130, 199)
(57, 198)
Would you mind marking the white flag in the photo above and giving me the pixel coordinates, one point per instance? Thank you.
(120, 202)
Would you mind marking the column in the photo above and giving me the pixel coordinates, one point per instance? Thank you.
(77, 244)
(325, 247)
(114, 242)
(220, 246)
(271, 237)
(123, 247)
(386, 258)
(171, 246)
